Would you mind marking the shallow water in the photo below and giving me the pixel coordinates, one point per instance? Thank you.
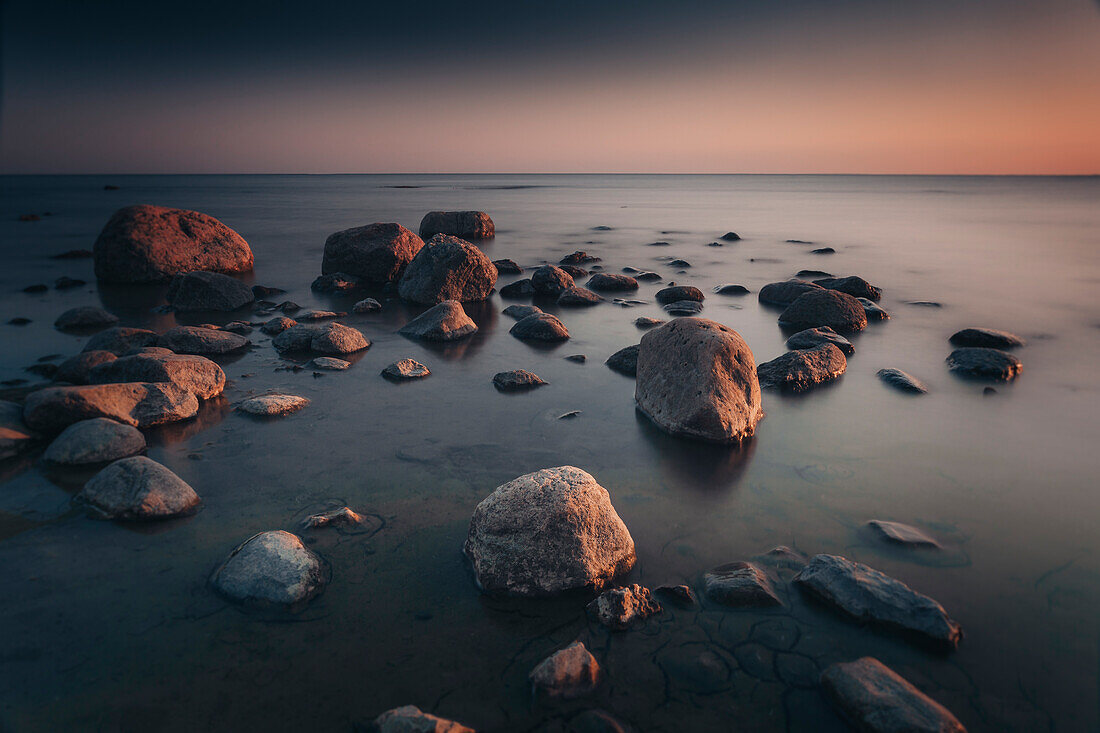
(112, 627)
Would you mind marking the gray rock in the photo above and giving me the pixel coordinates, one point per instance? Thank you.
(868, 595)
(196, 374)
(684, 308)
(816, 308)
(901, 534)
(901, 380)
(740, 584)
(731, 290)
(625, 360)
(517, 380)
(465, 224)
(855, 286)
(273, 405)
(448, 268)
(677, 293)
(138, 488)
(238, 327)
(15, 436)
(813, 337)
(201, 341)
(873, 311)
(878, 700)
(697, 379)
(329, 338)
(85, 318)
(798, 371)
(342, 518)
(550, 280)
(577, 358)
(446, 321)
(540, 327)
(208, 291)
(376, 253)
(548, 532)
(406, 369)
(519, 289)
(982, 363)
(730, 237)
(986, 337)
(271, 569)
(74, 370)
(140, 404)
(410, 719)
(330, 363)
(578, 296)
(621, 608)
(679, 595)
(334, 282)
(367, 305)
(567, 673)
(277, 325)
(120, 340)
(98, 440)
(785, 293)
(507, 267)
(519, 312)
(605, 282)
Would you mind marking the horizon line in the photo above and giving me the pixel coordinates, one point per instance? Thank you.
(604, 173)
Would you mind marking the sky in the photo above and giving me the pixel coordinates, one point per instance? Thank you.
(688, 86)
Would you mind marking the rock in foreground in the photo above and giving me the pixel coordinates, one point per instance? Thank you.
(271, 569)
(448, 268)
(548, 532)
(141, 404)
(621, 608)
(697, 379)
(741, 585)
(799, 371)
(567, 673)
(981, 363)
(540, 327)
(98, 440)
(410, 719)
(138, 488)
(878, 700)
(196, 374)
(446, 321)
(465, 224)
(377, 253)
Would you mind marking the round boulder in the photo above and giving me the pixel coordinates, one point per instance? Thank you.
(138, 488)
(677, 293)
(196, 374)
(377, 253)
(551, 280)
(855, 286)
(75, 369)
(405, 369)
(785, 293)
(273, 405)
(814, 337)
(540, 327)
(517, 380)
(815, 308)
(798, 371)
(121, 340)
(981, 363)
(98, 440)
(448, 268)
(606, 282)
(141, 404)
(330, 338)
(271, 569)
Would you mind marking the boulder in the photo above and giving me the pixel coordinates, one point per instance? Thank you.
(868, 595)
(548, 532)
(376, 253)
(367, 305)
(335, 282)
(507, 267)
(410, 719)
(606, 282)
(329, 338)
(446, 321)
(981, 363)
(406, 369)
(208, 291)
(785, 293)
(697, 379)
(15, 436)
(145, 243)
(621, 608)
(684, 308)
(273, 405)
(816, 308)
(85, 318)
(986, 337)
(677, 293)
(625, 360)
(567, 673)
(740, 584)
(120, 340)
(75, 369)
(855, 286)
(138, 488)
(98, 440)
(196, 374)
(798, 371)
(811, 338)
(201, 341)
(271, 569)
(277, 325)
(731, 290)
(141, 404)
(540, 327)
(517, 380)
(465, 224)
(901, 534)
(578, 296)
(550, 280)
(448, 268)
(519, 289)
(901, 380)
(519, 312)
(877, 699)
(330, 363)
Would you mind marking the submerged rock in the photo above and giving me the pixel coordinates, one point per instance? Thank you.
(740, 584)
(625, 360)
(982, 363)
(901, 380)
(550, 280)
(465, 224)
(575, 271)
(684, 308)
(621, 608)
(679, 595)
(578, 296)
(334, 282)
(507, 267)
(868, 595)
(987, 338)
(98, 440)
(540, 327)
(208, 291)
(785, 293)
(578, 258)
(813, 337)
(517, 380)
(676, 293)
(446, 321)
(84, 318)
(730, 237)
(330, 363)
(816, 308)
(878, 700)
(519, 312)
(75, 369)
(697, 379)
(201, 341)
(406, 369)
(606, 282)
(519, 289)
(548, 532)
(342, 517)
(140, 404)
(799, 371)
(196, 374)
(873, 311)
(646, 322)
(901, 534)
(271, 569)
(567, 673)
(376, 253)
(152, 243)
(855, 286)
(120, 340)
(329, 338)
(448, 268)
(138, 488)
(731, 290)
(410, 719)
(273, 405)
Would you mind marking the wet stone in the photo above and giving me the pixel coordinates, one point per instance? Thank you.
(684, 308)
(85, 317)
(878, 700)
(137, 488)
(741, 585)
(677, 293)
(98, 440)
(550, 280)
(367, 305)
(446, 321)
(410, 719)
(855, 286)
(277, 325)
(517, 380)
(902, 381)
(330, 363)
(271, 569)
(873, 311)
(518, 289)
(622, 608)
(406, 369)
(901, 534)
(567, 673)
(625, 360)
(646, 322)
(507, 267)
(606, 282)
(519, 312)
(678, 595)
(731, 290)
(814, 337)
(983, 363)
(273, 405)
(540, 327)
(799, 371)
(986, 337)
(578, 296)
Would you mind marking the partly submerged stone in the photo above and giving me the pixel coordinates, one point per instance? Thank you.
(410, 719)
(550, 280)
(799, 371)
(855, 286)
(901, 534)
(625, 360)
(578, 296)
(85, 318)
(902, 380)
(330, 363)
(367, 305)
(507, 267)
(873, 310)
(621, 608)
(578, 258)
(675, 293)
(208, 291)
(446, 321)
(406, 369)
(519, 289)
(684, 308)
(607, 282)
(273, 405)
(868, 595)
(986, 337)
(815, 308)
(679, 595)
(271, 569)
(647, 322)
(876, 699)
(448, 268)
(731, 290)
(120, 340)
(75, 369)
(138, 488)
(328, 338)
(548, 532)
(982, 363)
(519, 312)
(141, 404)
(567, 673)
(202, 341)
(335, 282)
(740, 584)
(196, 374)
(697, 379)
(465, 224)
(786, 292)
(277, 325)
(540, 327)
(814, 337)
(98, 440)
(517, 380)
(376, 253)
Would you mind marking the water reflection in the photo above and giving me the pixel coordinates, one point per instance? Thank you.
(692, 465)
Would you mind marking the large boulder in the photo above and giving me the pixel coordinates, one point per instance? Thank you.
(697, 379)
(152, 243)
(98, 440)
(75, 369)
(141, 404)
(448, 268)
(465, 224)
(551, 280)
(868, 595)
(548, 532)
(567, 673)
(15, 436)
(329, 338)
(799, 371)
(981, 363)
(208, 291)
(786, 292)
(138, 488)
(271, 569)
(815, 308)
(196, 374)
(446, 321)
(989, 338)
(201, 341)
(377, 253)
(85, 318)
(411, 719)
(121, 340)
(854, 286)
(540, 327)
(877, 699)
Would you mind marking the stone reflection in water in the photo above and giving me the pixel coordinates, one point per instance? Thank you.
(211, 412)
(694, 466)
(137, 305)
